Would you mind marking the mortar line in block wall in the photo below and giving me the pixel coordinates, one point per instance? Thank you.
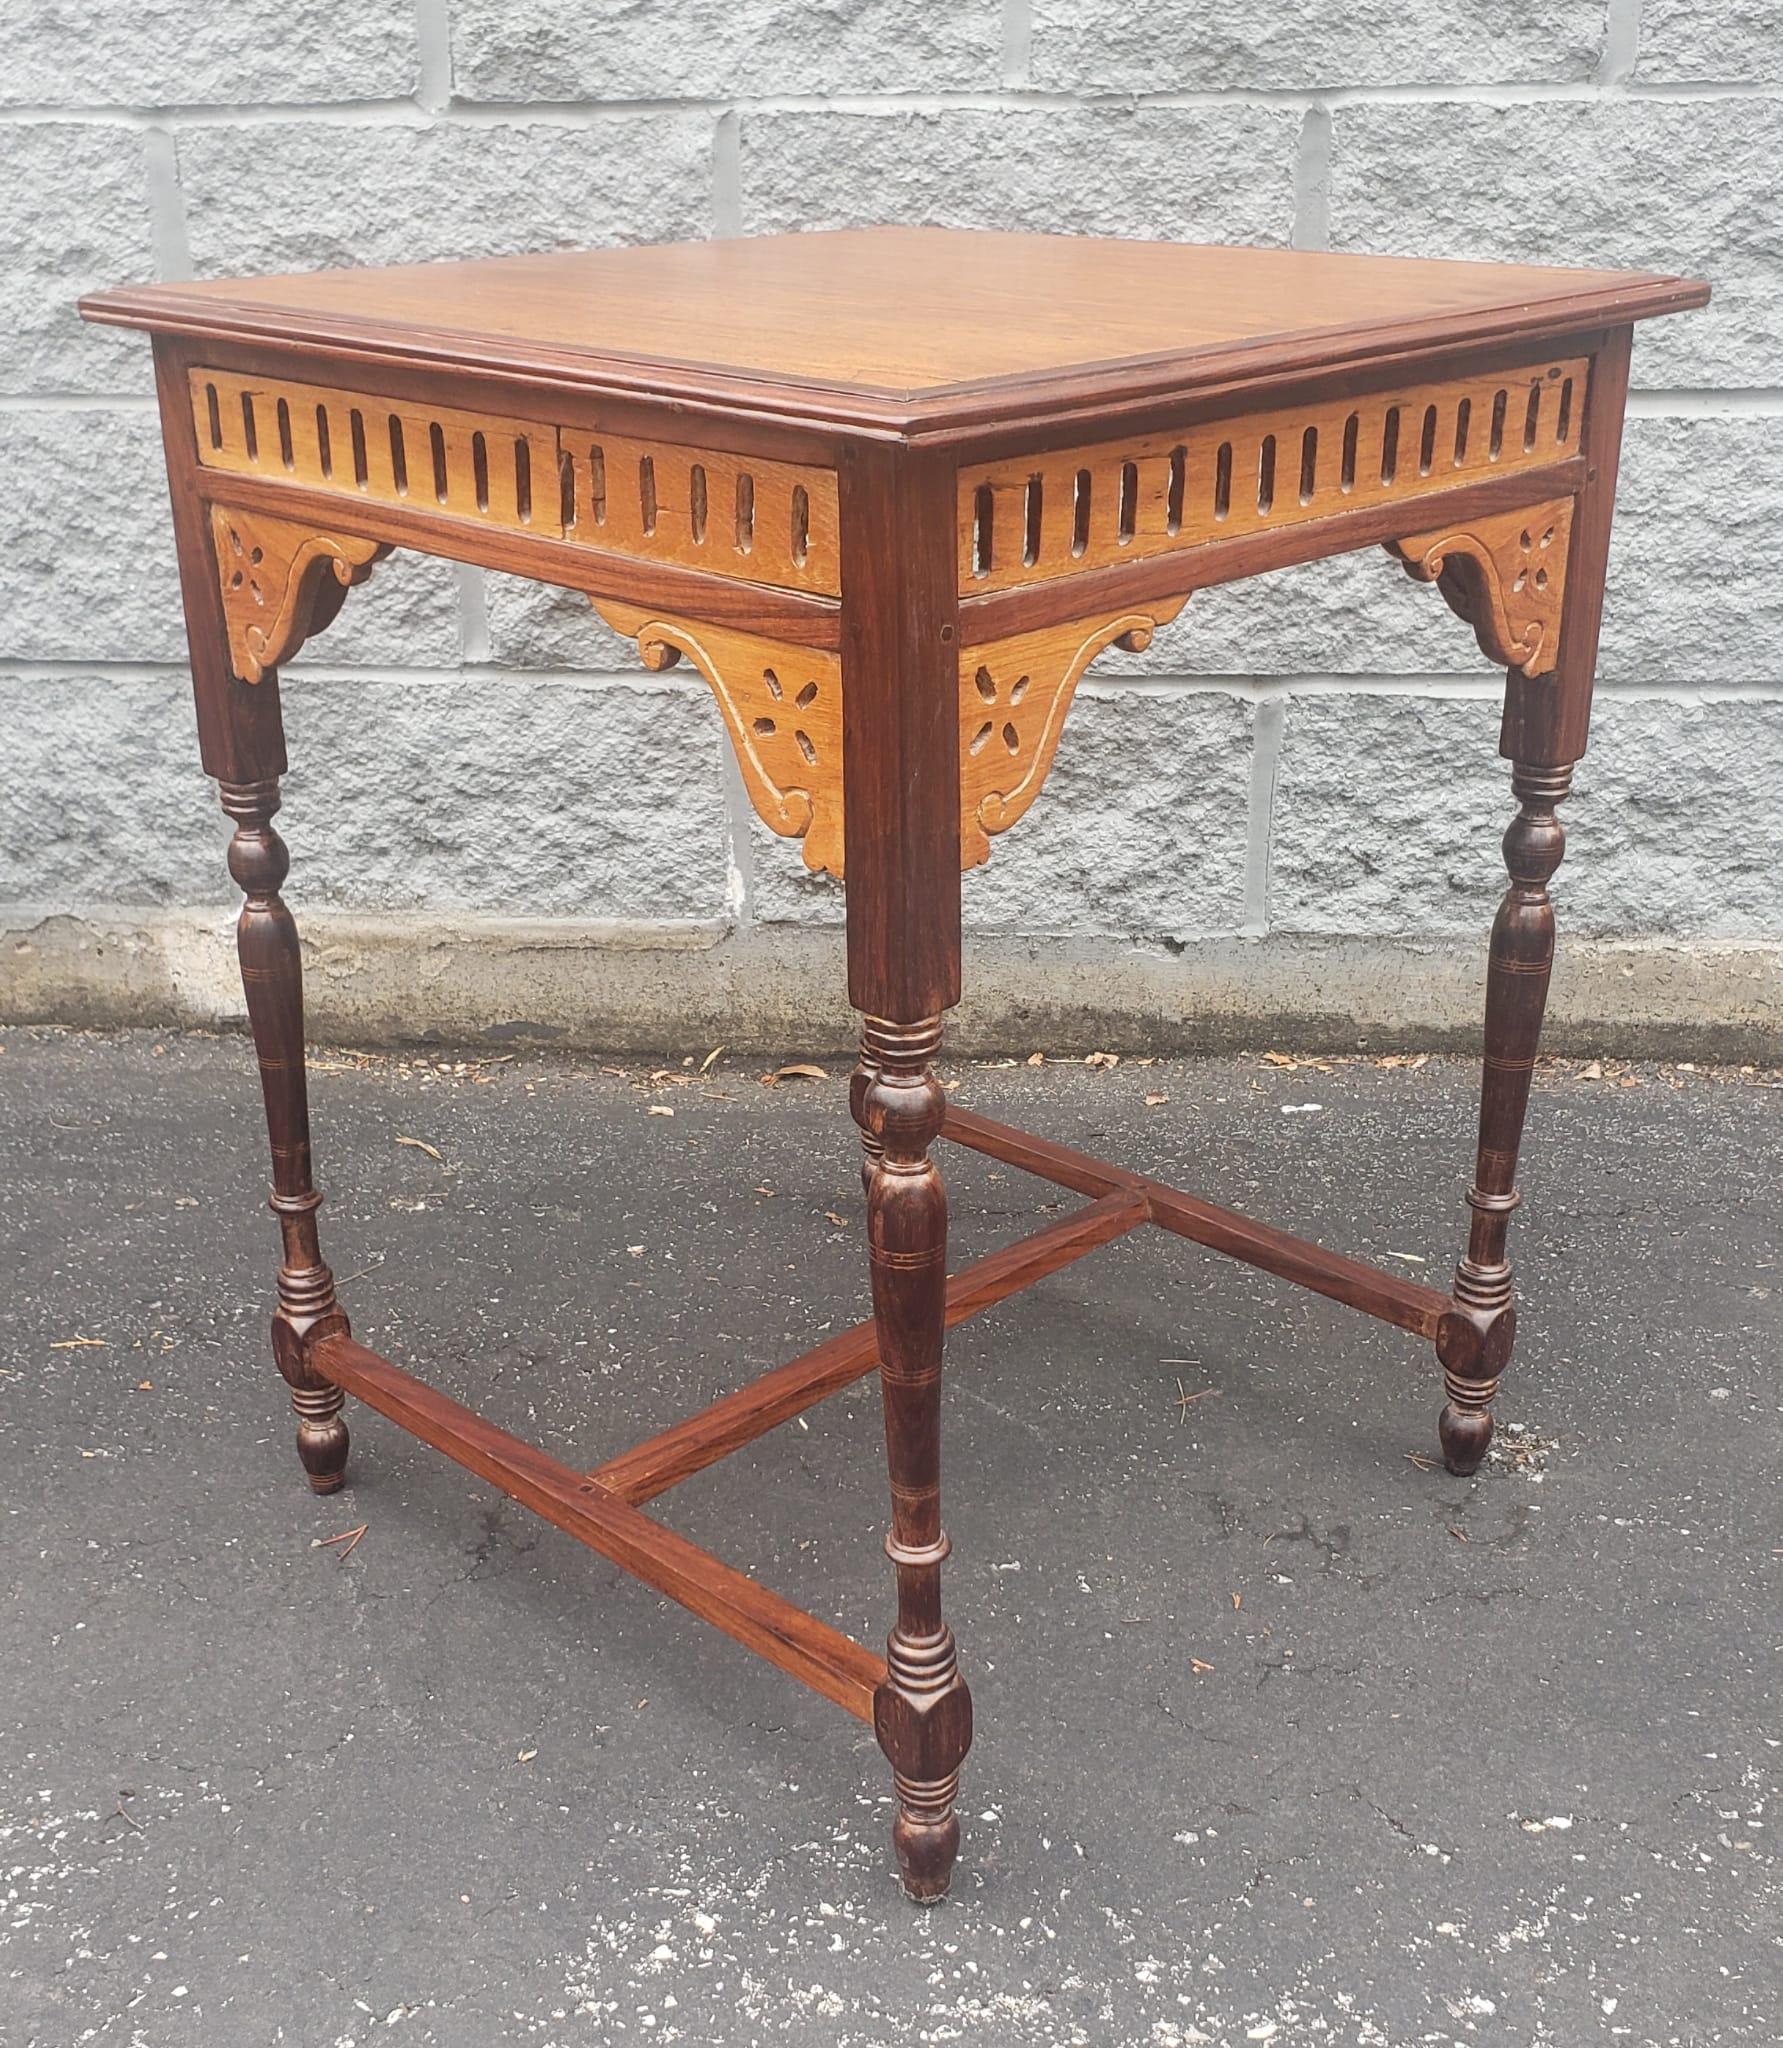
(1700, 89)
(582, 113)
(1610, 692)
(727, 178)
(1260, 689)
(310, 670)
(1018, 37)
(1531, 93)
(246, 114)
(739, 823)
(1705, 404)
(1481, 687)
(78, 401)
(1458, 686)
(1312, 181)
(474, 645)
(1267, 730)
(433, 41)
(167, 207)
(1621, 44)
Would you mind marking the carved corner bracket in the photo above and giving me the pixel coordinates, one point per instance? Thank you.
(782, 706)
(281, 582)
(1014, 695)
(1505, 574)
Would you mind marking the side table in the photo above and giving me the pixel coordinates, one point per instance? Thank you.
(890, 493)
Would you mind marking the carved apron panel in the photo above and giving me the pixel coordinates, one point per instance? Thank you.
(1034, 518)
(742, 517)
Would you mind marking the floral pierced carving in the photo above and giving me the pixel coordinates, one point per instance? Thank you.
(1505, 575)
(281, 582)
(1014, 695)
(782, 705)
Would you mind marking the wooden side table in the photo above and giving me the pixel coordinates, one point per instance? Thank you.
(890, 493)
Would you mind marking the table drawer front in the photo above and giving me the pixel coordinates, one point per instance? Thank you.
(1034, 519)
(758, 521)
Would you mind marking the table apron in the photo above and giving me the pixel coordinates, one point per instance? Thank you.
(996, 614)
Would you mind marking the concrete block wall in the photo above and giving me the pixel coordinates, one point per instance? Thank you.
(1283, 819)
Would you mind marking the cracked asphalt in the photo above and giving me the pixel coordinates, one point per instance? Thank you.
(1284, 1736)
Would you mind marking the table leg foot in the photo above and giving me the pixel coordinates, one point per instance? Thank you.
(926, 1836)
(922, 1715)
(307, 1313)
(1466, 1436)
(322, 1440)
(1474, 1342)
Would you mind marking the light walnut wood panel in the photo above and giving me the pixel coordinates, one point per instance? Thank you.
(750, 518)
(767, 522)
(1032, 519)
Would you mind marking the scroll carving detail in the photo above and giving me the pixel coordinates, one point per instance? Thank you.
(1014, 696)
(1505, 575)
(281, 582)
(782, 705)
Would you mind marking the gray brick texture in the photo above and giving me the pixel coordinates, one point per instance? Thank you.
(1309, 756)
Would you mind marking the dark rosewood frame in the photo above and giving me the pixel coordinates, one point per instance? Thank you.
(899, 628)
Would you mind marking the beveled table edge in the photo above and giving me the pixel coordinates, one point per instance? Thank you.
(934, 413)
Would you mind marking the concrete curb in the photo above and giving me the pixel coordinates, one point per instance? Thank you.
(416, 978)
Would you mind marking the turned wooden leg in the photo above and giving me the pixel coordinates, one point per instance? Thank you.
(866, 1072)
(922, 1712)
(272, 978)
(1475, 1336)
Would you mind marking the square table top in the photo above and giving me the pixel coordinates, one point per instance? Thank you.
(902, 328)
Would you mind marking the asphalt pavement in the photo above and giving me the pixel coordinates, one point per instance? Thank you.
(1284, 1735)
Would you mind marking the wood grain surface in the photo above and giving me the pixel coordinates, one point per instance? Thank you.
(900, 325)
(945, 469)
(813, 1652)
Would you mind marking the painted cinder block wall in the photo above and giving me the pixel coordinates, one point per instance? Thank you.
(1283, 818)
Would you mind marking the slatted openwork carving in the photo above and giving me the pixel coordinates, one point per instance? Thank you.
(1031, 519)
(759, 521)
